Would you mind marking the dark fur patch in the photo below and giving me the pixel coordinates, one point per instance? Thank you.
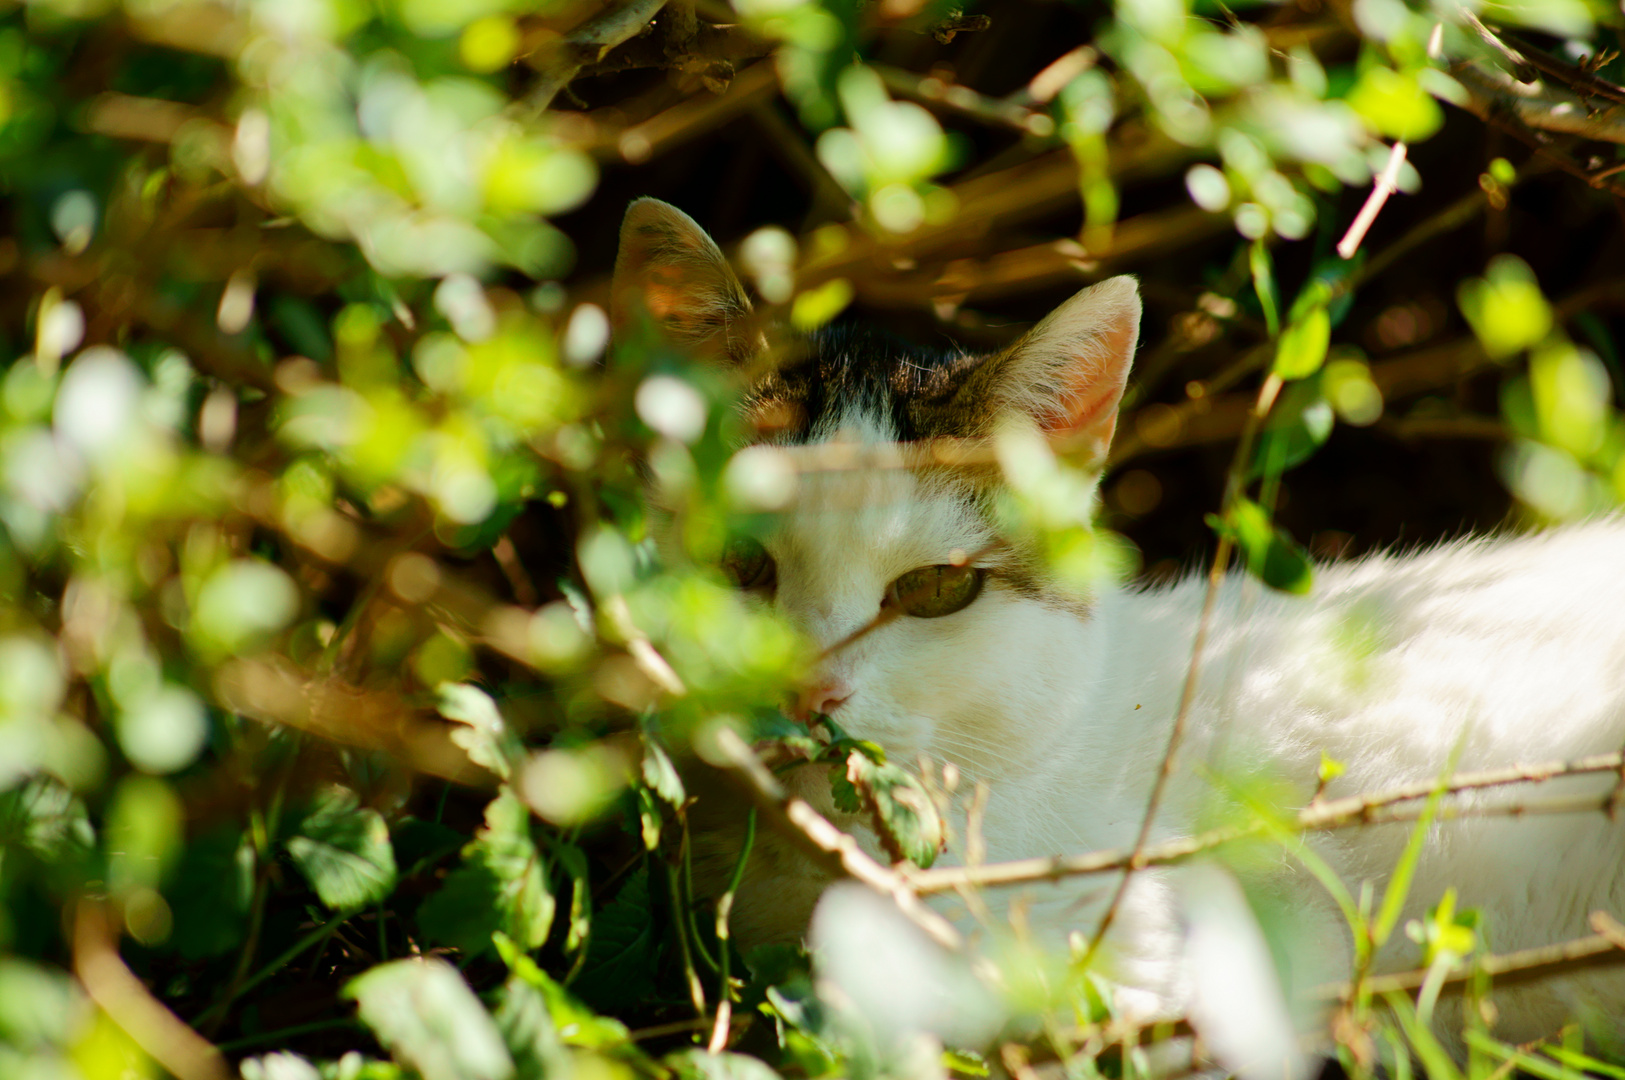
(920, 392)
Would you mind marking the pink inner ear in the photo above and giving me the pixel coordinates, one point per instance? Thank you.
(1092, 389)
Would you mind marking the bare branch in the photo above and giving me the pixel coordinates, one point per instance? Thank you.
(1539, 105)
(130, 1005)
(1602, 949)
(836, 851)
(589, 43)
(1372, 808)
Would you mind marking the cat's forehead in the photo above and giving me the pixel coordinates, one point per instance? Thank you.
(850, 378)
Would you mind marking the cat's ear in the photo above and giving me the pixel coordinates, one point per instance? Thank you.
(1069, 372)
(670, 269)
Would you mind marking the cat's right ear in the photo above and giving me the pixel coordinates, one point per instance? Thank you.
(669, 269)
(1070, 370)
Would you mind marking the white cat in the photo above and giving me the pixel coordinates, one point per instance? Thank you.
(1503, 651)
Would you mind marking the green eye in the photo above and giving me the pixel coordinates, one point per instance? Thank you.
(748, 564)
(931, 592)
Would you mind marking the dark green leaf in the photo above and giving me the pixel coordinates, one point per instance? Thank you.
(1300, 424)
(343, 850)
(426, 1015)
(502, 884)
(619, 968)
(44, 817)
(1271, 555)
(210, 894)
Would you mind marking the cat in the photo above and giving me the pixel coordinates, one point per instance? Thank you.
(1483, 652)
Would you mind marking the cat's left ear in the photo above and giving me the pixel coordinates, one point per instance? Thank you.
(670, 269)
(1069, 372)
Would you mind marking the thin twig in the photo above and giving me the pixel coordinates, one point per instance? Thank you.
(1187, 697)
(965, 101)
(719, 1033)
(834, 850)
(1386, 184)
(1371, 808)
(1602, 949)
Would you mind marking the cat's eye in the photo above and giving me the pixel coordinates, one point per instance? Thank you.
(930, 592)
(747, 564)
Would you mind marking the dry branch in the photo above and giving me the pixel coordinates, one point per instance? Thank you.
(965, 101)
(1365, 809)
(1602, 949)
(564, 59)
(833, 849)
(130, 1005)
(1540, 105)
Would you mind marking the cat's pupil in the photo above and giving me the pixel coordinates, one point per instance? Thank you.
(747, 563)
(930, 592)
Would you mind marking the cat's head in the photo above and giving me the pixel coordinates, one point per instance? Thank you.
(940, 635)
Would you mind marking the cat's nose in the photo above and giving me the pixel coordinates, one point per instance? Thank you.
(823, 697)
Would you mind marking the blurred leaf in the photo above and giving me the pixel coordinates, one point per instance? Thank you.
(1395, 105)
(1298, 425)
(426, 1015)
(815, 307)
(485, 737)
(1302, 348)
(502, 885)
(529, 1033)
(39, 1006)
(1505, 307)
(696, 1064)
(1271, 555)
(343, 850)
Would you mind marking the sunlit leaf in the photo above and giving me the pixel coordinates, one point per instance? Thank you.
(502, 885)
(343, 850)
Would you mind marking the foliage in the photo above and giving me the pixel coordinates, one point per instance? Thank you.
(344, 698)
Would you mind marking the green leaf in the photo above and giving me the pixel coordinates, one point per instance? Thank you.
(619, 968)
(1394, 104)
(485, 737)
(44, 817)
(1300, 424)
(1271, 555)
(696, 1064)
(1302, 348)
(426, 1015)
(529, 1033)
(39, 1006)
(660, 774)
(502, 885)
(1505, 307)
(576, 1024)
(905, 819)
(343, 850)
(210, 894)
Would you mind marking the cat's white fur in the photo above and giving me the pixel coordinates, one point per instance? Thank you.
(1497, 650)
(1501, 651)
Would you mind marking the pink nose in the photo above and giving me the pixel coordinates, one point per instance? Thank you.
(822, 697)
